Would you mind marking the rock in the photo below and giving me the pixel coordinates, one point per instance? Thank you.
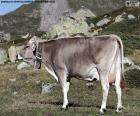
(3, 56)
(23, 65)
(15, 93)
(7, 37)
(47, 88)
(25, 36)
(82, 14)
(51, 13)
(4, 37)
(132, 67)
(73, 24)
(131, 17)
(92, 25)
(68, 26)
(12, 54)
(12, 80)
(119, 18)
(128, 61)
(103, 22)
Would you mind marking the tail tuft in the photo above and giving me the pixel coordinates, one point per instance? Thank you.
(123, 84)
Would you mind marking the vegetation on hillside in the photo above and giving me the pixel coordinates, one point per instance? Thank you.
(99, 7)
(25, 19)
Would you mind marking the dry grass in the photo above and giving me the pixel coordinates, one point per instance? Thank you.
(84, 100)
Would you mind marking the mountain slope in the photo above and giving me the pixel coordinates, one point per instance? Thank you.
(23, 20)
(30, 17)
(99, 7)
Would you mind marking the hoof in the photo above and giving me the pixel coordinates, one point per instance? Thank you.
(102, 111)
(65, 107)
(120, 109)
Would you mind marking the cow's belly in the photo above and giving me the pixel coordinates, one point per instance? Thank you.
(88, 73)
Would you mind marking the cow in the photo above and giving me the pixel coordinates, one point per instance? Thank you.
(86, 58)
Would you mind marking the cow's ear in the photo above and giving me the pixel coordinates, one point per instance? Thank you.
(33, 47)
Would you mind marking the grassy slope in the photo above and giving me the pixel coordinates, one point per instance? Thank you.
(98, 7)
(84, 101)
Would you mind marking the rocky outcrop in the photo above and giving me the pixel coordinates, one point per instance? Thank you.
(51, 13)
(3, 56)
(73, 24)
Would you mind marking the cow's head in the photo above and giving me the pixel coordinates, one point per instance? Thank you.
(27, 52)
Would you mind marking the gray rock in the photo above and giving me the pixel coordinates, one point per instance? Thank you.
(131, 17)
(23, 65)
(128, 61)
(119, 18)
(132, 67)
(51, 13)
(3, 56)
(82, 14)
(13, 80)
(103, 22)
(12, 54)
(47, 88)
(7, 37)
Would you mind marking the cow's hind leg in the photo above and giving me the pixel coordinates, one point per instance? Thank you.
(118, 91)
(65, 86)
(105, 89)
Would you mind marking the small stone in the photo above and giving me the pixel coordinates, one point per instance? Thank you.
(131, 17)
(103, 22)
(23, 65)
(12, 80)
(47, 88)
(15, 93)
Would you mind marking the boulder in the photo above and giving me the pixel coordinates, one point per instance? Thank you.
(68, 26)
(103, 22)
(12, 54)
(47, 88)
(74, 23)
(7, 37)
(3, 56)
(119, 18)
(82, 14)
(131, 17)
(23, 65)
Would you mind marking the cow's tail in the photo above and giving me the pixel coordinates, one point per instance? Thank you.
(122, 82)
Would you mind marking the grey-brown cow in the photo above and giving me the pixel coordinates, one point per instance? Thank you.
(88, 58)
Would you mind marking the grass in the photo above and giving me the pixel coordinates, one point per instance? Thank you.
(99, 7)
(84, 100)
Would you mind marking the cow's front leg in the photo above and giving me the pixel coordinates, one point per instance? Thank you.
(105, 88)
(65, 87)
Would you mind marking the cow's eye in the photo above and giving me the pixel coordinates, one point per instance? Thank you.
(27, 46)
